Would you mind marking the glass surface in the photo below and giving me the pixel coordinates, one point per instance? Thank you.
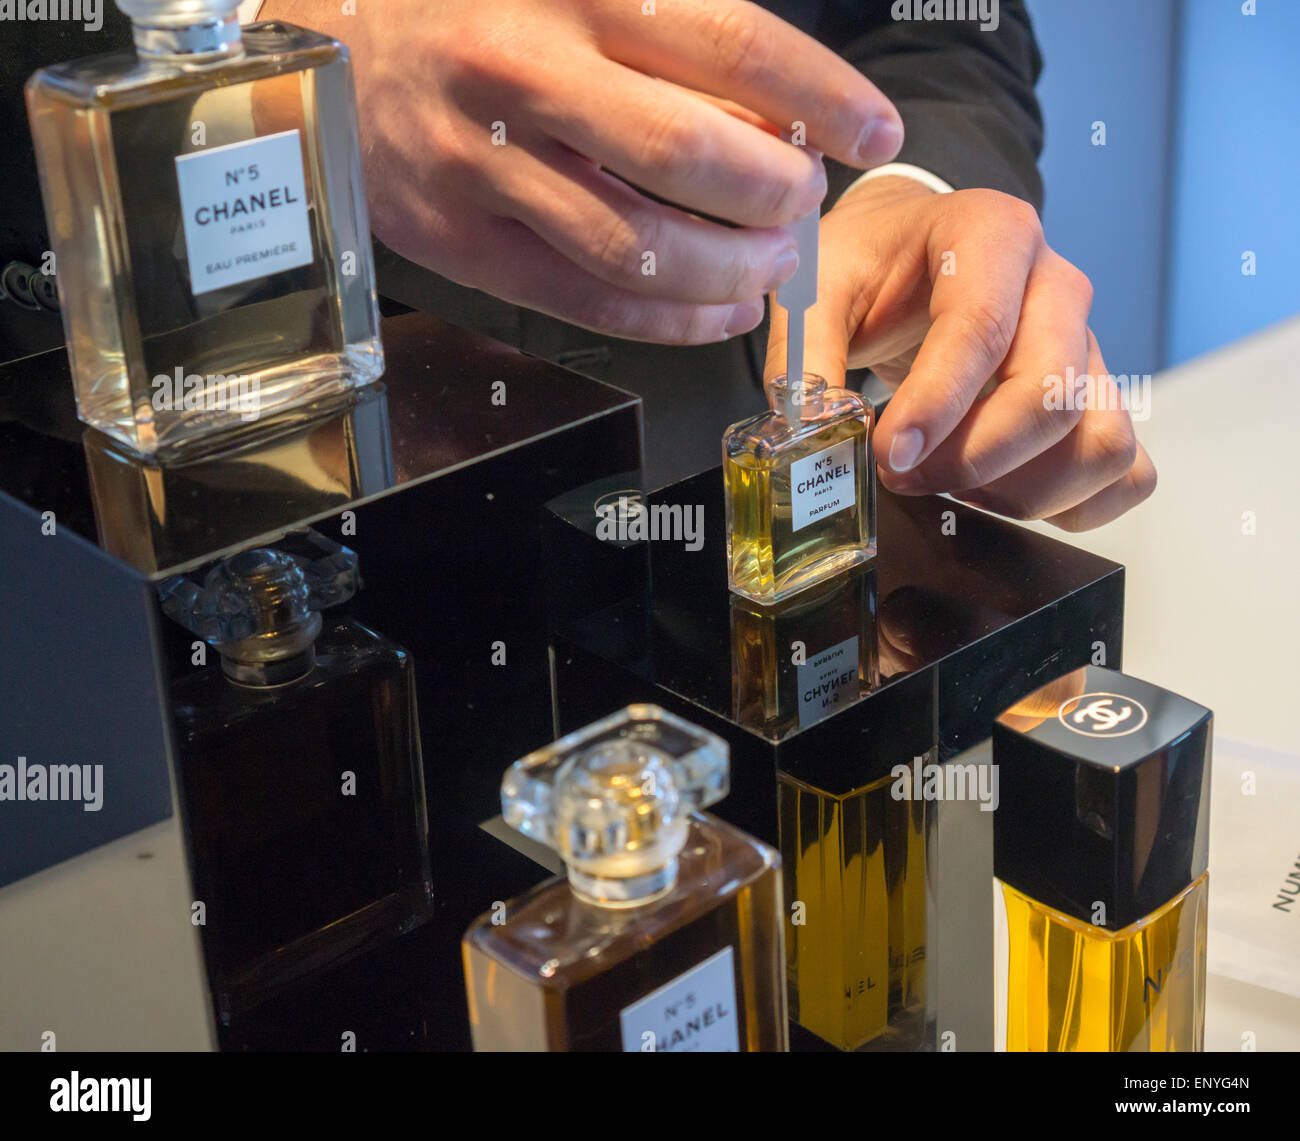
(108, 131)
(305, 804)
(557, 974)
(772, 552)
(1065, 985)
(857, 862)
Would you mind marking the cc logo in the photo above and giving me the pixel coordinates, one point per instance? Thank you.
(620, 506)
(1102, 715)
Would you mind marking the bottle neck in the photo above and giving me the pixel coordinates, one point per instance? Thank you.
(634, 891)
(269, 673)
(206, 39)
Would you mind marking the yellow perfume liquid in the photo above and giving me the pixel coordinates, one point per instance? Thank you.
(1067, 985)
(1100, 854)
(855, 953)
(799, 491)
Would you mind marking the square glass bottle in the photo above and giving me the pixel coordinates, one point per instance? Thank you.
(800, 490)
(207, 214)
(1100, 846)
(300, 772)
(666, 934)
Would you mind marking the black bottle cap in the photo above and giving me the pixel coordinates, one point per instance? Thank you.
(1104, 785)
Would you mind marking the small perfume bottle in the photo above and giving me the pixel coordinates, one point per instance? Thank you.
(208, 219)
(800, 490)
(299, 764)
(801, 661)
(666, 935)
(1099, 849)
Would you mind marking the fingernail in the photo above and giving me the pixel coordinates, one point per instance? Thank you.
(880, 141)
(905, 449)
(783, 269)
(743, 318)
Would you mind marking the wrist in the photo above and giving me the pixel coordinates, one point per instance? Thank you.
(883, 191)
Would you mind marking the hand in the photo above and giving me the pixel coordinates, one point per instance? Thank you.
(588, 93)
(957, 302)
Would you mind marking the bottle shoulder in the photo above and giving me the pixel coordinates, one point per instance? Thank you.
(769, 435)
(556, 940)
(121, 79)
(349, 657)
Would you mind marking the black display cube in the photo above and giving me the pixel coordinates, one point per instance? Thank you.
(437, 479)
(960, 615)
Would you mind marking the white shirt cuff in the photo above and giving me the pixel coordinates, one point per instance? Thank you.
(248, 10)
(905, 170)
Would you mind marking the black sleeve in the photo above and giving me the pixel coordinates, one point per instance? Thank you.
(966, 95)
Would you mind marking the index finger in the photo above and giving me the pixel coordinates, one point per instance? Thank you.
(736, 50)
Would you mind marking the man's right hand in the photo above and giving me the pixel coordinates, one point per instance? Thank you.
(493, 133)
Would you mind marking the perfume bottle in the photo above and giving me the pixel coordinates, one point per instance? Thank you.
(208, 221)
(298, 759)
(800, 490)
(803, 660)
(1099, 849)
(666, 933)
(853, 842)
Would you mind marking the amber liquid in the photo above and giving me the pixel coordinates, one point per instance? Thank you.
(297, 868)
(558, 973)
(1067, 985)
(769, 560)
(856, 964)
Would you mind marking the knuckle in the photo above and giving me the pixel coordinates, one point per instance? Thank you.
(1145, 479)
(781, 201)
(989, 327)
(1021, 214)
(738, 44)
(1116, 448)
(619, 242)
(671, 144)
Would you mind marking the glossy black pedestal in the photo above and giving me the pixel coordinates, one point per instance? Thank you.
(961, 614)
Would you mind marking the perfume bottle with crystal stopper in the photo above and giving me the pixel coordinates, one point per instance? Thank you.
(1100, 848)
(207, 215)
(800, 490)
(666, 933)
(299, 764)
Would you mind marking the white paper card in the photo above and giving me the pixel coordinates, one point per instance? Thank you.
(696, 1012)
(245, 210)
(822, 484)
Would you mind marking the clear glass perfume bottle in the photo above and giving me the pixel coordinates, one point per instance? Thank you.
(800, 490)
(666, 934)
(208, 219)
(1100, 845)
(299, 764)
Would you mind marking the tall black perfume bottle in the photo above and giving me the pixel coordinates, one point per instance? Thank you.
(299, 761)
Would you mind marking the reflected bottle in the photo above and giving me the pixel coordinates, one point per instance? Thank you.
(208, 216)
(800, 490)
(803, 660)
(1100, 857)
(300, 771)
(666, 934)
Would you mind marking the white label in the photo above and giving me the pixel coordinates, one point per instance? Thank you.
(245, 210)
(827, 681)
(694, 1012)
(822, 484)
